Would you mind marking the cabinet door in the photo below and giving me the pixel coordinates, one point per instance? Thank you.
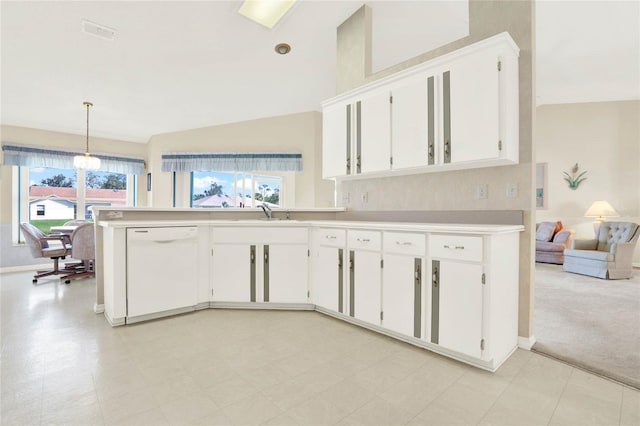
(373, 133)
(364, 293)
(336, 140)
(285, 273)
(232, 273)
(471, 103)
(330, 285)
(402, 294)
(413, 123)
(457, 300)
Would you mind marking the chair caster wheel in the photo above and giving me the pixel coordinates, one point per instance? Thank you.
(67, 281)
(34, 282)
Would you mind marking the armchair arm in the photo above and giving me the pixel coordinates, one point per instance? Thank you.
(623, 252)
(584, 244)
(563, 237)
(62, 238)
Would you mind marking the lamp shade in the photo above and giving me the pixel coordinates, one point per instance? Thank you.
(601, 209)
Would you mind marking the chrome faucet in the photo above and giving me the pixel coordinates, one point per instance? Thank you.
(267, 210)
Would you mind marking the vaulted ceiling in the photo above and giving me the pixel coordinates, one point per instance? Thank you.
(180, 65)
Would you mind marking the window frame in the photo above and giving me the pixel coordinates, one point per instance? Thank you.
(20, 197)
(287, 186)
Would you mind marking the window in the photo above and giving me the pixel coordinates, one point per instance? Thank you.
(229, 189)
(48, 197)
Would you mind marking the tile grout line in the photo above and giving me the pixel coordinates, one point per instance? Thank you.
(509, 382)
(561, 394)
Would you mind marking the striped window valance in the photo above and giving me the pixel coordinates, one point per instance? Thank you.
(230, 162)
(31, 156)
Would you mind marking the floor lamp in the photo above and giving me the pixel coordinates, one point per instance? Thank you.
(600, 210)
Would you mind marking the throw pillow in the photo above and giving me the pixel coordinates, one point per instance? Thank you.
(545, 231)
(558, 227)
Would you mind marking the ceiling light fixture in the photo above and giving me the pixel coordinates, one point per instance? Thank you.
(265, 12)
(86, 161)
(283, 48)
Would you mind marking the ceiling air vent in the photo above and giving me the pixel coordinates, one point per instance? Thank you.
(98, 30)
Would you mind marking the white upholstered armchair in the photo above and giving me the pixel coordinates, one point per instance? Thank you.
(607, 256)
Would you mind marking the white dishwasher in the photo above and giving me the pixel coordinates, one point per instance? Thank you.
(162, 269)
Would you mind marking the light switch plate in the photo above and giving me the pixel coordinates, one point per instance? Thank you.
(512, 190)
(482, 191)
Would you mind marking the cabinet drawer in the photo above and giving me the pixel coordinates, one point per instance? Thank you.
(332, 237)
(404, 243)
(457, 247)
(365, 240)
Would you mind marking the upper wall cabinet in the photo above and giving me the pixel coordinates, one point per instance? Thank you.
(457, 111)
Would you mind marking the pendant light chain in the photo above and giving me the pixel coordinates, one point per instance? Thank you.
(88, 105)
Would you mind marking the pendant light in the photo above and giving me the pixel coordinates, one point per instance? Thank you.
(86, 161)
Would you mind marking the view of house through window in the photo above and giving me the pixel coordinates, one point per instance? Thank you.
(221, 189)
(59, 195)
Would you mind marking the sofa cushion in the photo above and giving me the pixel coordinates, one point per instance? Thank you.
(549, 246)
(545, 231)
(590, 254)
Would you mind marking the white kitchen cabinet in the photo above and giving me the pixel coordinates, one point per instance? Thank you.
(356, 136)
(373, 133)
(233, 267)
(413, 122)
(402, 296)
(336, 140)
(365, 277)
(471, 108)
(329, 289)
(285, 273)
(456, 111)
(457, 304)
(474, 294)
(259, 265)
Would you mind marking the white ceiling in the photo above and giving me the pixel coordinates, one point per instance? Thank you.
(181, 65)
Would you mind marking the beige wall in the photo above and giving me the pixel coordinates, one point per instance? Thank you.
(48, 139)
(456, 190)
(604, 139)
(16, 255)
(288, 133)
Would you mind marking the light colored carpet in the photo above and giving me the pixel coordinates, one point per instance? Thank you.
(588, 322)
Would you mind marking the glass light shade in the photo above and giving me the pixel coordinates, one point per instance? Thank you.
(265, 12)
(601, 209)
(86, 162)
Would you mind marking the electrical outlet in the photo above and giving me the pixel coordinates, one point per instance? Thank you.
(365, 198)
(482, 191)
(345, 198)
(512, 190)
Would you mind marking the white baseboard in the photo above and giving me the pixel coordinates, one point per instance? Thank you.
(24, 268)
(98, 309)
(526, 342)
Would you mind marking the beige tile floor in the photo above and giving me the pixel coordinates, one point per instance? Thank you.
(62, 364)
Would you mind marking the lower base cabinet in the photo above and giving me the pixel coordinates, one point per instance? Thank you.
(285, 273)
(449, 291)
(259, 265)
(233, 269)
(364, 291)
(329, 280)
(402, 294)
(456, 321)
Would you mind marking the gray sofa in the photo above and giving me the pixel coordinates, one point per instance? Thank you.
(608, 256)
(551, 242)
